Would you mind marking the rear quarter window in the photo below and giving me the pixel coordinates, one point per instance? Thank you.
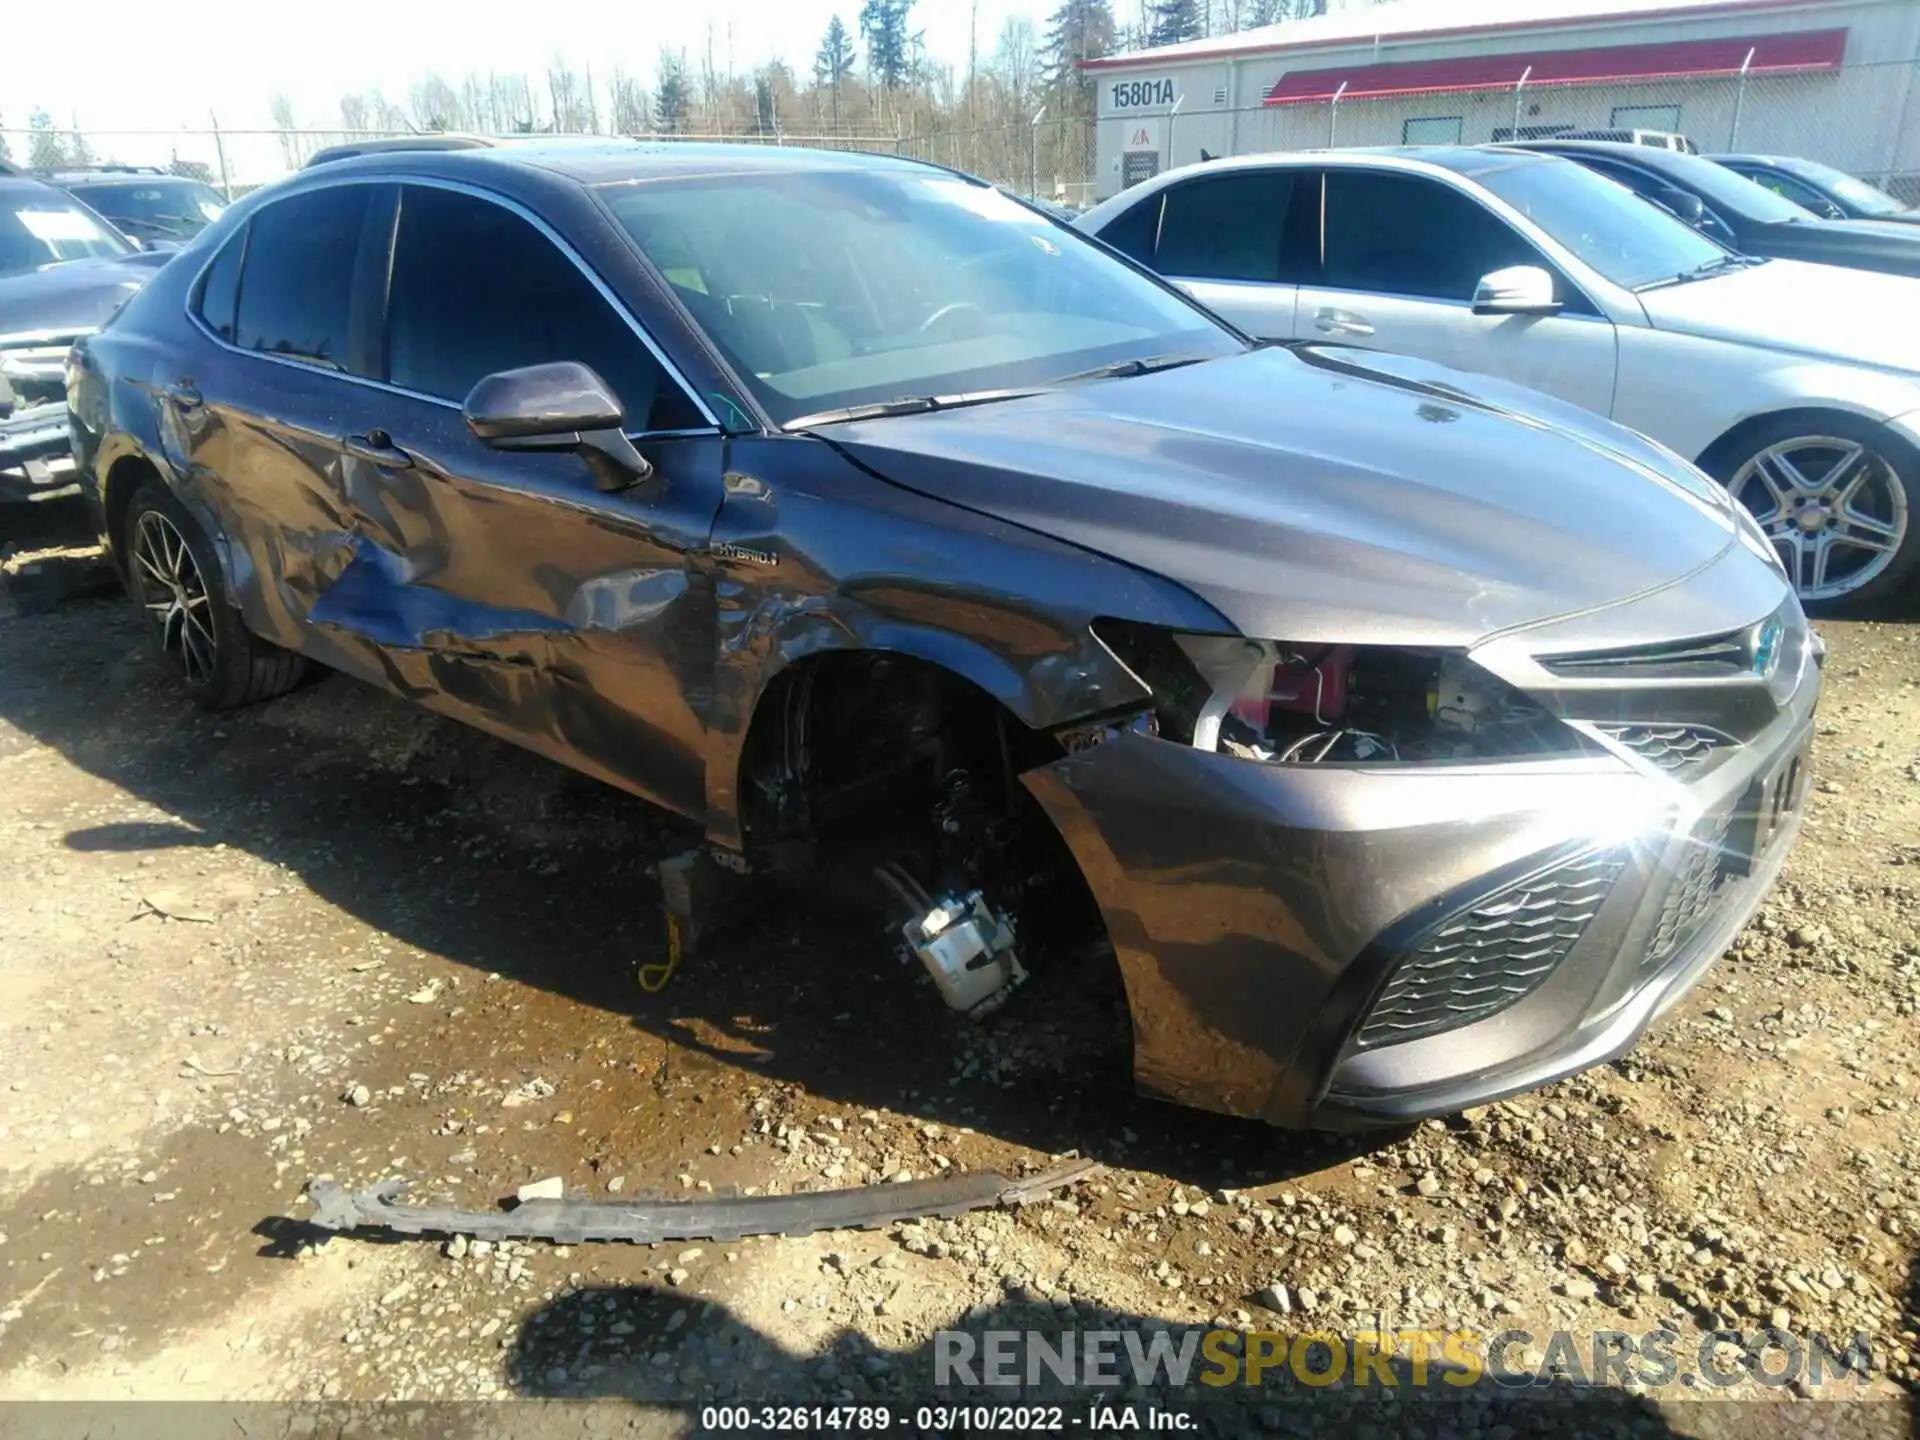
(296, 290)
(219, 293)
(1131, 232)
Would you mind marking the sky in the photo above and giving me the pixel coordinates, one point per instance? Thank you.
(163, 66)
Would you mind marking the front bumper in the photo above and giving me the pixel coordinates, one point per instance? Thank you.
(1258, 911)
(36, 454)
(36, 449)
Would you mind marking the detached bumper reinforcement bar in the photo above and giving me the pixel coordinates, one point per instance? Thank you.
(647, 1222)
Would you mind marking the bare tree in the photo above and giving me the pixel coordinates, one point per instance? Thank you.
(1016, 63)
(627, 103)
(281, 112)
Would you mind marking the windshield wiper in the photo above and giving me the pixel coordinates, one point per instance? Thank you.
(1138, 365)
(904, 405)
(1719, 265)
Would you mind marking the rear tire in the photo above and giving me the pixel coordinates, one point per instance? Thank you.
(176, 580)
(1840, 499)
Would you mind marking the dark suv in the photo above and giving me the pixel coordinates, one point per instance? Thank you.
(1415, 738)
(63, 270)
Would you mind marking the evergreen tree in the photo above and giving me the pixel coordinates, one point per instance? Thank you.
(672, 93)
(1169, 22)
(765, 118)
(1079, 30)
(834, 62)
(883, 25)
(46, 152)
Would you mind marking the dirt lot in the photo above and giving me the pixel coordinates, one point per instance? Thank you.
(336, 936)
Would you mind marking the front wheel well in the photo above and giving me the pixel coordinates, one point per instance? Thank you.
(1719, 458)
(848, 731)
(862, 761)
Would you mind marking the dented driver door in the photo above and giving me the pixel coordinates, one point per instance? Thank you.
(506, 588)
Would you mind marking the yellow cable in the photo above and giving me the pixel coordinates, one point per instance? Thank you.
(653, 978)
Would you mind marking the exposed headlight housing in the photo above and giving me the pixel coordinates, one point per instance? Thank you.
(1295, 703)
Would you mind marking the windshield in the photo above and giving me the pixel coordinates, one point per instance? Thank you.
(1728, 192)
(171, 209)
(1867, 199)
(1605, 224)
(37, 230)
(833, 289)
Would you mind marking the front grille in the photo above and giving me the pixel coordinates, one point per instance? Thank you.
(1714, 655)
(1691, 899)
(1482, 960)
(1676, 749)
(37, 371)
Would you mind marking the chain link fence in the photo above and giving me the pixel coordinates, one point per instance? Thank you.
(1863, 119)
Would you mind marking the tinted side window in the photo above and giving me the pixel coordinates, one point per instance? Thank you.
(1405, 235)
(1225, 228)
(220, 287)
(1132, 232)
(477, 289)
(296, 291)
(1803, 195)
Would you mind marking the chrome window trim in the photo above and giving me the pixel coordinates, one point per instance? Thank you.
(667, 366)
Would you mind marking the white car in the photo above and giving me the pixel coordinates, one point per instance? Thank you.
(1797, 386)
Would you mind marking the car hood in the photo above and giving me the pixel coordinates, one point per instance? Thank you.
(1330, 494)
(1859, 316)
(74, 295)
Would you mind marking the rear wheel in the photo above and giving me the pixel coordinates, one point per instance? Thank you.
(1837, 498)
(178, 585)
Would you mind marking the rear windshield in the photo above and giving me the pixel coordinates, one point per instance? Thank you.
(827, 289)
(37, 229)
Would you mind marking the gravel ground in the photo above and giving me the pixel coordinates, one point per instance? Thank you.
(336, 936)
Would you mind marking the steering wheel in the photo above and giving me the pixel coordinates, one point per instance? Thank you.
(952, 307)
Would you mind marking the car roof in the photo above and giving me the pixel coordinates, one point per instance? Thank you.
(1653, 156)
(120, 175)
(605, 160)
(1460, 159)
(28, 184)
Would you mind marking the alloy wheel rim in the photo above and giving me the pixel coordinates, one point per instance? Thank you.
(1834, 509)
(174, 595)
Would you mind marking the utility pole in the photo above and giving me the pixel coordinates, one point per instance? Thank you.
(973, 51)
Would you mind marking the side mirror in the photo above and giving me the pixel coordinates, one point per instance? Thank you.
(559, 406)
(1831, 211)
(1685, 205)
(161, 247)
(1517, 290)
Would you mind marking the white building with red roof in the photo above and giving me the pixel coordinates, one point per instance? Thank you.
(1834, 80)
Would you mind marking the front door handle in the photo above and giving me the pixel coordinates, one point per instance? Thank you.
(185, 394)
(1342, 322)
(377, 447)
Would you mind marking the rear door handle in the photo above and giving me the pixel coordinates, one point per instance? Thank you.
(1342, 322)
(377, 446)
(185, 394)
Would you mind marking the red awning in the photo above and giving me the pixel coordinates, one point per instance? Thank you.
(1670, 60)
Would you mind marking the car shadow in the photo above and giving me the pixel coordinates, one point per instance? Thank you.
(474, 850)
(695, 1361)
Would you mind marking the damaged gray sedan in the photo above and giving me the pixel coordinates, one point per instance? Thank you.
(1413, 739)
